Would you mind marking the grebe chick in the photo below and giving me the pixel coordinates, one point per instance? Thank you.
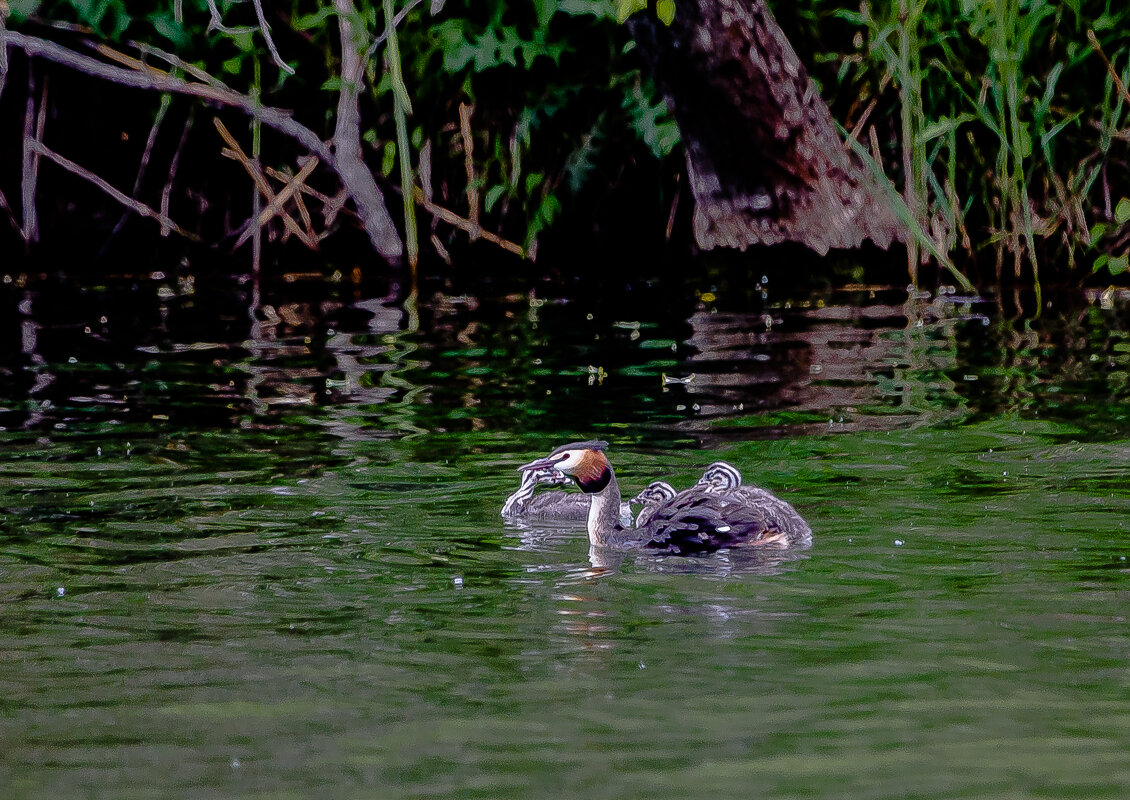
(525, 504)
(692, 522)
(723, 479)
(653, 496)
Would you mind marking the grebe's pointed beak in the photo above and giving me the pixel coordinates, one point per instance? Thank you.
(538, 464)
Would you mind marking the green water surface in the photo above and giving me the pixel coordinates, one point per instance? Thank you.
(316, 596)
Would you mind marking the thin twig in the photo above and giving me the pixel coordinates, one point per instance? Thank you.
(862, 123)
(1109, 66)
(275, 205)
(173, 61)
(121, 197)
(168, 188)
(11, 214)
(30, 164)
(452, 218)
(217, 22)
(4, 11)
(354, 174)
(331, 206)
(347, 137)
(300, 204)
(372, 49)
(465, 112)
(265, 29)
(166, 100)
(252, 169)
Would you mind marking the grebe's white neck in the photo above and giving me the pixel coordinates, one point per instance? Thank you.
(604, 512)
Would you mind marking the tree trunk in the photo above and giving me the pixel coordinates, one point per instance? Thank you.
(764, 159)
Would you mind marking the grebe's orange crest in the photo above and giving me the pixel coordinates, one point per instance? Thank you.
(592, 471)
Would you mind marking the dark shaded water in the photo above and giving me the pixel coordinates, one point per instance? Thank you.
(265, 559)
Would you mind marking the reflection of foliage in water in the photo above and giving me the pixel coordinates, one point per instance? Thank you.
(656, 362)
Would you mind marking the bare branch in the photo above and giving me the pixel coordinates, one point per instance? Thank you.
(275, 206)
(354, 175)
(3, 50)
(371, 51)
(331, 206)
(166, 101)
(102, 184)
(174, 61)
(465, 112)
(217, 22)
(347, 134)
(467, 225)
(256, 174)
(30, 162)
(266, 31)
(168, 189)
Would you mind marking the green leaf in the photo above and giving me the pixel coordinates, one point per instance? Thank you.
(1098, 230)
(1122, 211)
(665, 10)
(943, 126)
(1118, 264)
(166, 25)
(22, 9)
(388, 158)
(625, 8)
(1100, 262)
(494, 194)
(652, 122)
(232, 65)
(306, 21)
(544, 10)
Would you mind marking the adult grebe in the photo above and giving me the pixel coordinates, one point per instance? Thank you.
(525, 504)
(723, 479)
(694, 521)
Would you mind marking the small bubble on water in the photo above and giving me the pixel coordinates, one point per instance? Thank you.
(99, 452)
(899, 542)
(457, 581)
(235, 763)
(60, 591)
(642, 665)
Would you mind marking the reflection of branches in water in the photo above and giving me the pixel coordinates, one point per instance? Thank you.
(852, 360)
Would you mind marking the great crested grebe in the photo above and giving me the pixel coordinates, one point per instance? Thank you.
(526, 504)
(723, 478)
(694, 521)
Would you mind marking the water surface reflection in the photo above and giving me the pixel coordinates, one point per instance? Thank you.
(244, 557)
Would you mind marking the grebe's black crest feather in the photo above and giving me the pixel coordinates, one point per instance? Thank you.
(594, 444)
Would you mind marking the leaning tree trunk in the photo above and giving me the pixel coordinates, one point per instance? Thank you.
(764, 160)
